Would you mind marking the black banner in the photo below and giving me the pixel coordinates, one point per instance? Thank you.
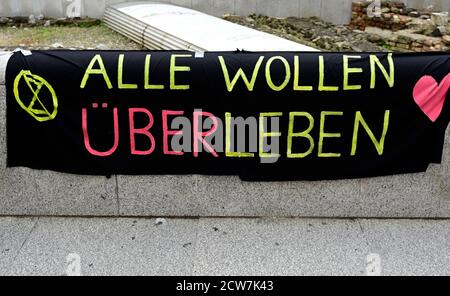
(262, 116)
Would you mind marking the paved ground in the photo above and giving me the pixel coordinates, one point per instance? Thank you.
(106, 246)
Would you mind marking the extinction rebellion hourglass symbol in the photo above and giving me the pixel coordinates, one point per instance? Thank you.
(36, 96)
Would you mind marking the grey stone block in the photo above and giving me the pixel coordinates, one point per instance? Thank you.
(183, 3)
(26, 7)
(229, 196)
(442, 5)
(288, 8)
(443, 186)
(446, 155)
(322, 247)
(337, 11)
(280, 247)
(18, 192)
(31, 192)
(51, 8)
(268, 7)
(222, 7)
(444, 202)
(2, 127)
(412, 195)
(206, 6)
(13, 7)
(409, 247)
(319, 199)
(104, 246)
(74, 195)
(158, 195)
(111, 246)
(4, 57)
(245, 8)
(95, 8)
(55, 8)
(13, 233)
(5, 10)
(309, 8)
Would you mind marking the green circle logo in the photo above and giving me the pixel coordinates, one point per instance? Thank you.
(33, 104)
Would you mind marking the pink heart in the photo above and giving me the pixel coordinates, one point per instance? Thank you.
(430, 96)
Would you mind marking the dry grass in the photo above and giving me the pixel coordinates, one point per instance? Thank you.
(69, 36)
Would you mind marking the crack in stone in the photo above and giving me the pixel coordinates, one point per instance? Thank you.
(117, 194)
(26, 239)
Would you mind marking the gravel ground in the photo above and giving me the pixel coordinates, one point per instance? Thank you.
(313, 32)
(74, 37)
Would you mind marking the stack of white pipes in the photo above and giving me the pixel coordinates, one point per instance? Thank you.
(169, 27)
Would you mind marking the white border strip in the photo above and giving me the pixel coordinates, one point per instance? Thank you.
(4, 58)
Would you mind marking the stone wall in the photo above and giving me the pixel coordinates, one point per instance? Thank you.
(393, 16)
(401, 28)
(417, 42)
(33, 192)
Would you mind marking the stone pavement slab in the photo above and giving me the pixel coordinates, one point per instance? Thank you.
(223, 246)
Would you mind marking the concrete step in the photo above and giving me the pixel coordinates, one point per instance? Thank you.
(139, 246)
(44, 193)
